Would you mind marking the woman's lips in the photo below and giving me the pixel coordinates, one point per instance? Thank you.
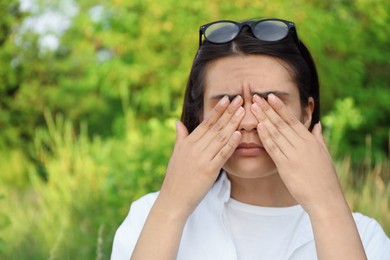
(249, 149)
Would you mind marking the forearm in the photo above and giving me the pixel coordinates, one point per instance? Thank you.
(160, 236)
(335, 233)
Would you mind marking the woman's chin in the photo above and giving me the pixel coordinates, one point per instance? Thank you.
(246, 166)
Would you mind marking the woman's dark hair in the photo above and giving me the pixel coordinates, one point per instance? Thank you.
(297, 56)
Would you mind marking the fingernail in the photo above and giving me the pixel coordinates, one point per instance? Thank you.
(236, 100)
(236, 136)
(271, 97)
(239, 111)
(224, 100)
(256, 98)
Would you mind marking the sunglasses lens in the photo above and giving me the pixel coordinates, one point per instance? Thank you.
(270, 30)
(221, 32)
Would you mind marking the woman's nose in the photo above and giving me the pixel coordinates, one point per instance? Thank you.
(249, 122)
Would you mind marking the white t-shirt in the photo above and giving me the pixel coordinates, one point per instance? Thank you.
(208, 234)
(261, 232)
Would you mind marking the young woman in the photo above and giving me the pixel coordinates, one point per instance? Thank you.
(250, 176)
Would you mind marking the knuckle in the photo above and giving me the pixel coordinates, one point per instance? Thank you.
(292, 120)
(207, 123)
(231, 109)
(231, 145)
(218, 126)
(274, 133)
(221, 138)
(266, 107)
(272, 147)
(234, 122)
(280, 123)
(223, 154)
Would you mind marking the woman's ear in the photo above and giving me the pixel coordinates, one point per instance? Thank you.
(308, 112)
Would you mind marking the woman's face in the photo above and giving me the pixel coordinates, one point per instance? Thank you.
(246, 75)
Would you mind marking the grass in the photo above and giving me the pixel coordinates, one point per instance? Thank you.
(367, 189)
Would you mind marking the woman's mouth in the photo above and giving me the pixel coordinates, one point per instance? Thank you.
(249, 149)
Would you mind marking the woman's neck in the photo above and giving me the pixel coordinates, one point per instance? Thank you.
(268, 191)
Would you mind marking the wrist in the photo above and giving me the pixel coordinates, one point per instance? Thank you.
(167, 210)
(337, 208)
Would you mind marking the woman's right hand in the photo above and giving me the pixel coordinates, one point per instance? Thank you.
(198, 157)
(193, 168)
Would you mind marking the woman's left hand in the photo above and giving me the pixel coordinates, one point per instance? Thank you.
(301, 156)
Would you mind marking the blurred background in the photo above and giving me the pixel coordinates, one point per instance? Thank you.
(90, 90)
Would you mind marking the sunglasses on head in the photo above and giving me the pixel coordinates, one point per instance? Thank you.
(267, 30)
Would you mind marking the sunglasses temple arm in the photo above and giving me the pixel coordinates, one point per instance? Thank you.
(296, 37)
(200, 38)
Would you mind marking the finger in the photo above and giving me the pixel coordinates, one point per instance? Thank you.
(227, 150)
(269, 144)
(228, 114)
(216, 141)
(280, 108)
(181, 131)
(273, 132)
(317, 132)
(276, 125)
(209, 122)
(258, 113)
(225, 120)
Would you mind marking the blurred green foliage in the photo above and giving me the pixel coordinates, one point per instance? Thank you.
(87, 127)
(345, 116)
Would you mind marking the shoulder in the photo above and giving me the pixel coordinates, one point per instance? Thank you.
(375, 240)
(139, 209)
(146, 201)
(127, 234)
(367, 226)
